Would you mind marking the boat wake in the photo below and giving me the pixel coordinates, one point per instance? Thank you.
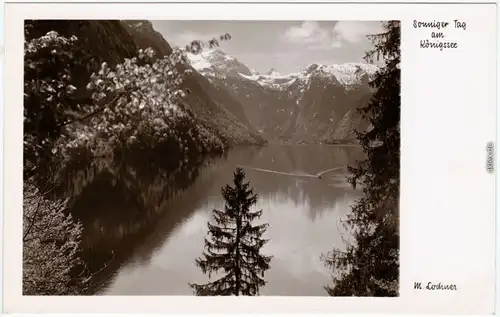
(319, 175)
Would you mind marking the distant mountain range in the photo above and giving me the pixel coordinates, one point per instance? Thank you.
(317, 104)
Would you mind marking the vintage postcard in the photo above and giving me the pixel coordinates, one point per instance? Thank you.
(249, 158)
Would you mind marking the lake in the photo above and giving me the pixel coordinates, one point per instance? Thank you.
(144, 226)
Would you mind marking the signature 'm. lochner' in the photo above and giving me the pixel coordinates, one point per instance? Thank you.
(431, 286)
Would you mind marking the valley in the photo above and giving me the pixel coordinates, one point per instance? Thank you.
(316, 105)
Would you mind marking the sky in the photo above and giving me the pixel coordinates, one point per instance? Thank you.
(287, 46)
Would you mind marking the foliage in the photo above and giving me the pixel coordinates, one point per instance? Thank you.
(50, 245)
(139, 97)
(370, 267)
(47, 92)
(233, 245)
(137, 100)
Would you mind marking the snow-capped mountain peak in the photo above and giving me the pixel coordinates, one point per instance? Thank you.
(254, 72)
(273, 72)
(317, 102)
(346, 74)
(216, 63)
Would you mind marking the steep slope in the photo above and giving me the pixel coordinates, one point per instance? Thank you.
(327, 105)
(317, 104)
(211, 104)
(99, 41)
(113, 41)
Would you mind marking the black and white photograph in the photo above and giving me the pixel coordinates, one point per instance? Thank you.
(211, 158)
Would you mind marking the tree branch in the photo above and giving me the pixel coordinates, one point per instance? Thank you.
(33, 219)
(93, 113)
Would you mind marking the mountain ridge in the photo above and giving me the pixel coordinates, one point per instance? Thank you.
(315, 105)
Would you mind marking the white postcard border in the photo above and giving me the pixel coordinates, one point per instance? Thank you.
(447, 197)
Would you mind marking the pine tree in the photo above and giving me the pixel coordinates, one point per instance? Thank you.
(370, 267)
(233, 245)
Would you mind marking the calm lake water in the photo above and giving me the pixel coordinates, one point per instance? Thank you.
(144, 227)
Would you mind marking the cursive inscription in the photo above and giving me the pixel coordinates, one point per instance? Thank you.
(432, 24)
(436, 39)
(434, 286)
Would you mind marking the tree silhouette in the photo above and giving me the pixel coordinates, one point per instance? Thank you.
(370, 267)
(233, 245)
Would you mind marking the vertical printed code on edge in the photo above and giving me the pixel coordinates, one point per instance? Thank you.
(490, 151)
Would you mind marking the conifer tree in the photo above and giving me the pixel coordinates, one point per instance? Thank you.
(233, 243)
(370, 267)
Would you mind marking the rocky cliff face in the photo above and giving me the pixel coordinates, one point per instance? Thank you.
(317, 104)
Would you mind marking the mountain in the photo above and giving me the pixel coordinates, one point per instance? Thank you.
(213, 106)
(216, 60)
(273, 72)
(317, 104)
(112, 41)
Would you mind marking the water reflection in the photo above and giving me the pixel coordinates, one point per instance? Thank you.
(149, 224)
